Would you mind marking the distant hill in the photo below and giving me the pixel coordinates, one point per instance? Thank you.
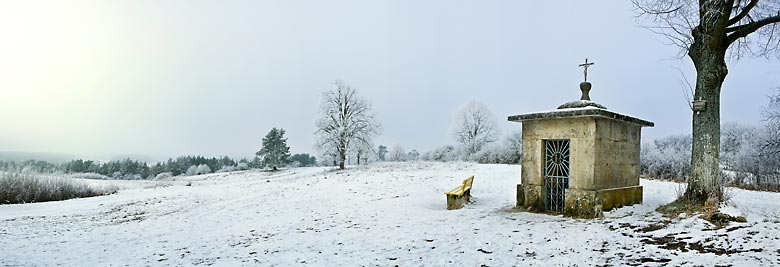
(45, 156)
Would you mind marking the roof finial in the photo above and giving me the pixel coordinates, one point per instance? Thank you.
(586, 65)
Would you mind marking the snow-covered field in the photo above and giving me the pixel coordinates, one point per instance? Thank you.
(380, 215)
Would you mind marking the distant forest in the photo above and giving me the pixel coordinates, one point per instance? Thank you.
(129, 169)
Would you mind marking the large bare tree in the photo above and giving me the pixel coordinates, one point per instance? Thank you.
(709, 32)
(346, 120)
(475, 126)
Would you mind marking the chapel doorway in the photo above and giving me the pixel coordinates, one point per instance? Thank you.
(556, 173)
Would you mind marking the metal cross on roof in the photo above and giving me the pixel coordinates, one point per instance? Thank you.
(585, 66)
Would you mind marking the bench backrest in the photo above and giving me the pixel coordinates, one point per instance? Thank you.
(467, 183)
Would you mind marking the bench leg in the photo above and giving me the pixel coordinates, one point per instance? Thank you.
(454, 202)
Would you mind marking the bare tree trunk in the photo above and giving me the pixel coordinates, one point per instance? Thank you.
(708, 53)
(342, 158)
(705, 176)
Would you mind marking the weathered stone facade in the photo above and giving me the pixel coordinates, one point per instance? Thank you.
(603, 159)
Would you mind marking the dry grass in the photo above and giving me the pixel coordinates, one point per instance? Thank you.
(708, 210)
(18, 188)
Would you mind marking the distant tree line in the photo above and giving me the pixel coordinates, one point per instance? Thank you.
(30, 166)
(274, 154)
(133, 170)
(745, 159)
(128, 169)
(749, 154)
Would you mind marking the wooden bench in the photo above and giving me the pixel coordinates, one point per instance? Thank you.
(459, 196)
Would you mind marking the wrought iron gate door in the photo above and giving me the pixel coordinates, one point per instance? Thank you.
(556, 173)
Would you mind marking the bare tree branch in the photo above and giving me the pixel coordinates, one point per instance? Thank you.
(741, 31)
(688, 90)
(677, 20)
(744, 13)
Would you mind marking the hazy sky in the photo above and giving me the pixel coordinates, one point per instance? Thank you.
(165, 78)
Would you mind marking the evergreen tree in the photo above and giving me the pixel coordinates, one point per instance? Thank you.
(304, 159)
(381, 153)
(275, 152)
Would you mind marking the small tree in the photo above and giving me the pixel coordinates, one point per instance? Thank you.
(362, 152)
(381, 152)
(304, 159)
(771, 114)
(513, 146)
(347, 120)
(192, 170)
(474, 127)
(413, 155)
(203, 169)
(397, 154)
(766, 154)
(275, 152)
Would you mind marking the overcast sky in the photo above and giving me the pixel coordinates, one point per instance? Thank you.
(166, 78)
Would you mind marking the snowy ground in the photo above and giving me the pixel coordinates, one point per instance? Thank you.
(381, 215)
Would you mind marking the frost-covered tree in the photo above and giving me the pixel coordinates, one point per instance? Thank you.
(443, 153)
(513, 148)
(734, 138)
(397, 154)
(667, 158)
(275, 153)
(709, 31)
(304, 160)
(192, 170)
(363, 151)
(508, 151)
(474, 127)
(760, 155)
(413, 155)
(771, 114)
(328, 158)
(203, 169)
(346, 120)
(381, 152)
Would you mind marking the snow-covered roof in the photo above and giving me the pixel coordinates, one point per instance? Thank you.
(587, 111)
(581, 104)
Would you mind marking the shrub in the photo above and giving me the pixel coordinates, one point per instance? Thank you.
(89, 175)
(29, 188)
(203, 169)
(228, 169)
(242, 166)
(444, 153)
(163, 175)
(667, 158)
(191, 170)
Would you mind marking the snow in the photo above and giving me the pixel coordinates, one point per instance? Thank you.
(569, 110)
(564, 110)
(379, 215)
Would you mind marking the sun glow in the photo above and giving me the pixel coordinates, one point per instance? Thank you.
(54, 57)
